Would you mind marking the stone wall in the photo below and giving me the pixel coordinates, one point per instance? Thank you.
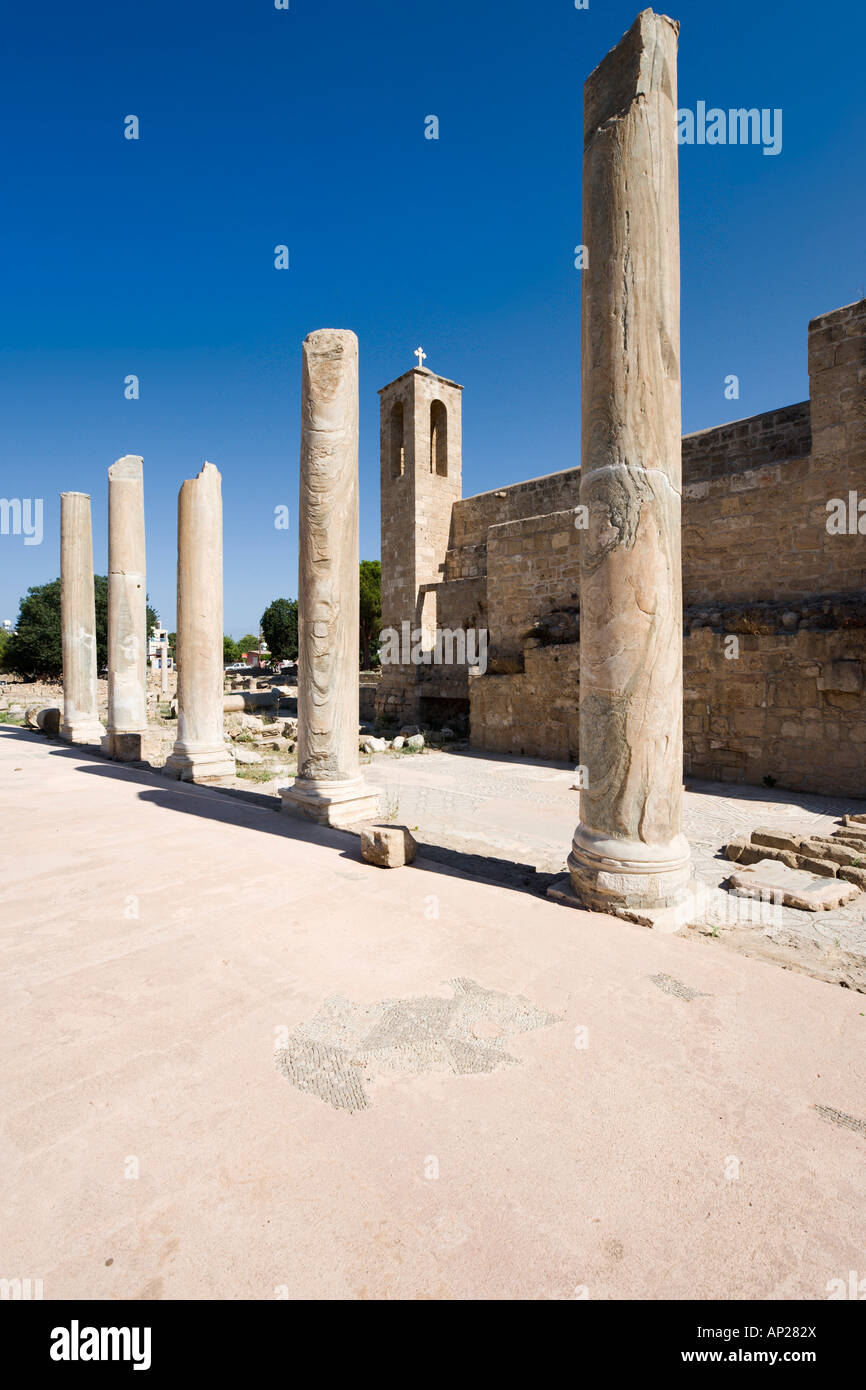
(533, 712)
(420, 481)
(790, 707)
(533, 579)
(472, 517)
(759, 565)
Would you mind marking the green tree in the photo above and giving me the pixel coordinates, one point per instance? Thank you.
(231, 650)
(370, 579)
(4, 642)
(35, 649)
(249, 643)
(280, 628)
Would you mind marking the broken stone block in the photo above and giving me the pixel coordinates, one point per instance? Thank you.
(742, 851)
(824, 868)
(854, 875)
(855, 820)
(777, 839)
(388, 846)
(247, 759)
(49, 719)
(415, 741)
(832, 850)
(851, 835)
(373, 745)
(776, 882)
(398, 742)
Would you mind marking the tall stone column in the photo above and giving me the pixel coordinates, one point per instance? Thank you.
(200, 753)
(629, 852)
(329, 787)
(81, 722)
(127, 611)
(163, 668)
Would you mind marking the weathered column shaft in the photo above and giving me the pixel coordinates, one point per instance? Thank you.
(163, 669)
(628, 849)
(127, 609)
(329, 786)
(81, 722)
(200, 753)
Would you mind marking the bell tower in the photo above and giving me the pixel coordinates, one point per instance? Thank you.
(421, 466)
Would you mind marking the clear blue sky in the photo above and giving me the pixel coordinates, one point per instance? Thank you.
(306, 127)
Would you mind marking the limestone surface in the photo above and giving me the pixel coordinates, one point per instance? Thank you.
(127, 609)
(200, 753)
(629, 850)
(388, 846)
(792, 887)
(81, 723)
(329, 786)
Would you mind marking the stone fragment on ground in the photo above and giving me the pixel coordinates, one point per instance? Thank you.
(246, 758)
(840, 855)
(370, 744)
(775, 881)
(388, 846)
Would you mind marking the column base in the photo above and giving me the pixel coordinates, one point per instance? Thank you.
(667, 920)
(82, 731)
(125, 747)
(331, 803)
(200, 764)
(622, 876)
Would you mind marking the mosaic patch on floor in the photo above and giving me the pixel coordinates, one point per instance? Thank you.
(338, 1052)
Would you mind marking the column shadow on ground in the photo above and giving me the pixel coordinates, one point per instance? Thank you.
(259, 812)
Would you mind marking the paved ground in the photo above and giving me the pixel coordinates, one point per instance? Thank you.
(512, 820)
(163, 946)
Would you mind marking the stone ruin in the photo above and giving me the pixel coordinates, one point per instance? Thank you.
(577, 576)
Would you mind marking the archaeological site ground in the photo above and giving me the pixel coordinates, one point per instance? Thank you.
(493, 926)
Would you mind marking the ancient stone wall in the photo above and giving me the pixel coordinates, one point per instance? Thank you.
(533, 712)
(791, 707)
(420, 481)
(759, 563)
(533, 584)
(472, 517)
(788, 702)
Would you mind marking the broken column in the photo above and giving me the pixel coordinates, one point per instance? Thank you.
(629, 855)
(200, 753)
(127, 612)
(81, 722)
(329, 787)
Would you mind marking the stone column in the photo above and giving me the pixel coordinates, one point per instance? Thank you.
(329, 787)
(629, 854)
(127, 612)
(200, 753)
(81, 722)
(163, 668)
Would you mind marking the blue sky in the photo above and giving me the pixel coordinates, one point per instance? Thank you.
(306, 127)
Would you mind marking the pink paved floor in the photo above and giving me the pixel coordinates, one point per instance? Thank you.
(150, 1037)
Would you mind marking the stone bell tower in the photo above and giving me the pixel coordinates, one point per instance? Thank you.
(421, 477)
